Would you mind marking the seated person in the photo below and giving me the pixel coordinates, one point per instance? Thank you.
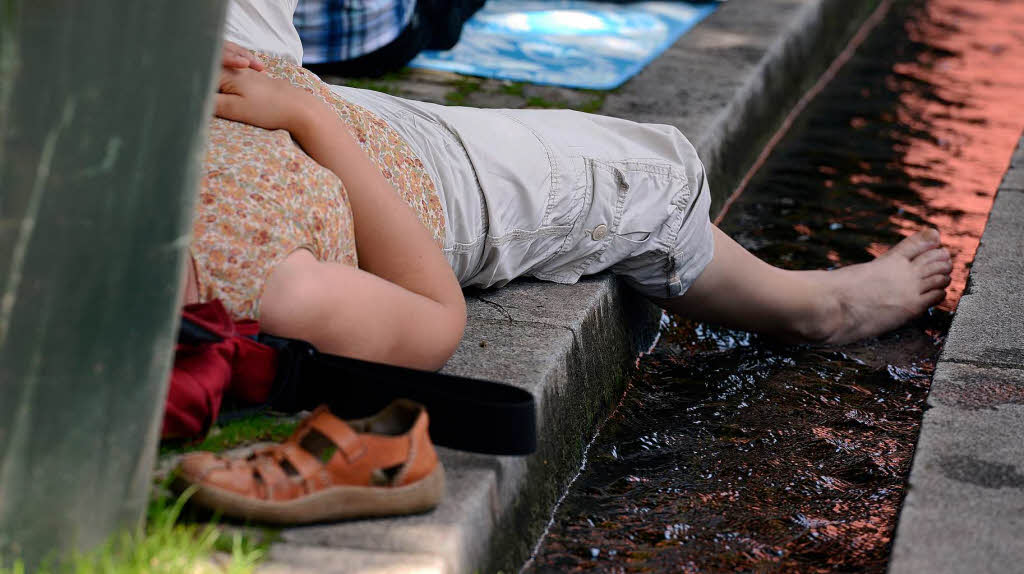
(373, 37)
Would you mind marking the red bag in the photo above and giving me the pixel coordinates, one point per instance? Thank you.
(224, 360)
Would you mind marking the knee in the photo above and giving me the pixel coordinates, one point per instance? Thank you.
(688, 161)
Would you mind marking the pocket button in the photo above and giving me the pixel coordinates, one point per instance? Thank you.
(599, 232)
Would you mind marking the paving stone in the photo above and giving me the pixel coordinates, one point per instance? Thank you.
(970, 387)
(987, 330)
(541, 302)
(526, 354)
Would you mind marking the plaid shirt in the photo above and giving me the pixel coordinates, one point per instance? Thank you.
(336, 30)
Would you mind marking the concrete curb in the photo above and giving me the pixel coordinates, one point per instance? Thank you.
(727, 84)
(965, 504)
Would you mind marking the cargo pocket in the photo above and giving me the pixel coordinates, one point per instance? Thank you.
(639, 207)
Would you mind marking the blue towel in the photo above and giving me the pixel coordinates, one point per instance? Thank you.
(570, 43)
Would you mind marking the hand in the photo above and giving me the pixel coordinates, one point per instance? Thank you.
(235, 56)
(254, 98)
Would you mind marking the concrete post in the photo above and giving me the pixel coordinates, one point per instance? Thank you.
(103, 108)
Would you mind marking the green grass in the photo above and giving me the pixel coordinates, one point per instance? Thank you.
(463, 87)
(384, 83)
(255, 428)
(371, 84)
(166, 546)
(539, 102)
(594, 104)
(591, 106)
(514, 89)
(170, 545)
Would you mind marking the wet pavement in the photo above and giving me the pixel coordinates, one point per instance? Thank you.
(731, 453)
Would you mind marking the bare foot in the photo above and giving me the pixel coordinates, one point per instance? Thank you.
(883, 294)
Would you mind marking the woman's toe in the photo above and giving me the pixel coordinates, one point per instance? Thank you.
(917, 244)
(934, 297)
(934, 268)
(932, 256)
(933, 282)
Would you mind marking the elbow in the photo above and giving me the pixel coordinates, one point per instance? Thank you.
(447, 337)
(434, 339)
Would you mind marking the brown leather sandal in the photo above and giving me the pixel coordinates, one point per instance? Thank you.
(327, 470)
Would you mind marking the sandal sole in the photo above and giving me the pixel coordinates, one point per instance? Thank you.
(328, 505)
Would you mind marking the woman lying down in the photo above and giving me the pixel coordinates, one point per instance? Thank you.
(361, 234)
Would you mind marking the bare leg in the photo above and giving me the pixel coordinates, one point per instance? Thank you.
(741, 291)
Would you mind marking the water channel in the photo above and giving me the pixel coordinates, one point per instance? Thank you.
(729, 452)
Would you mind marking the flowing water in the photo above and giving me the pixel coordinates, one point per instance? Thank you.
(729, 452)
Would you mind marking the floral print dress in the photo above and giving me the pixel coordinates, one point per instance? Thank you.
(261, 198)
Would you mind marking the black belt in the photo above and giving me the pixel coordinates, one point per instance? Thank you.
(465, 414)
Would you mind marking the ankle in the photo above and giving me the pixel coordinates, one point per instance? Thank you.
(823, 321)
